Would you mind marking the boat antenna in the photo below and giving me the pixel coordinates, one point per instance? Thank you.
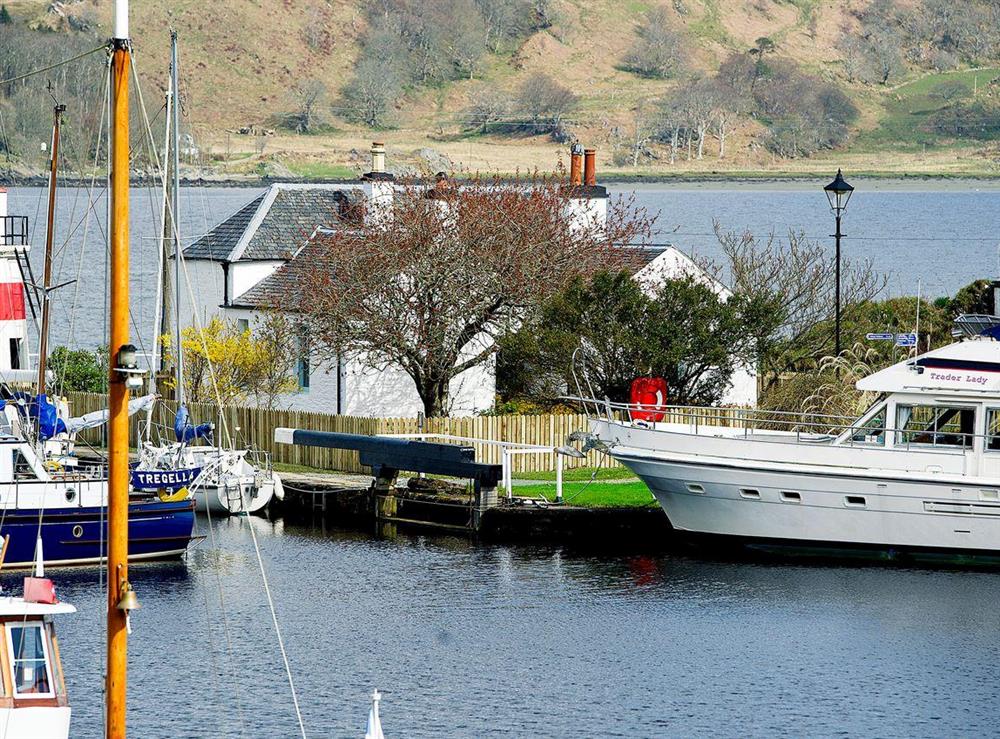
(43, 333)
(121, 597)
(174, 219)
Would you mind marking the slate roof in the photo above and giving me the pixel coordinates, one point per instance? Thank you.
(274, 225)
(218, 243)
(274, 290)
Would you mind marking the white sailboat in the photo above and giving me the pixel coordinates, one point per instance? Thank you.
(917, 476)
(222, 479)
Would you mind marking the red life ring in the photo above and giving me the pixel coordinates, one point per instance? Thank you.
(648, 399)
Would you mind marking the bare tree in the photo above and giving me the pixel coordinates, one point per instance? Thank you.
(543, 103)
(486, 107)
(370, 95)
(660, 51)
(797, 277)
(311, 105)
(431, 289)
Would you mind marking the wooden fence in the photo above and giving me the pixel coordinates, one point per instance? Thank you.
(254, 427)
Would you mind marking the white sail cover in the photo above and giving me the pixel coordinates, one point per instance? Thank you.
(374, 730)
(97, 418)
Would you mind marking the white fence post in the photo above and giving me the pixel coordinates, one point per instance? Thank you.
(559, 476)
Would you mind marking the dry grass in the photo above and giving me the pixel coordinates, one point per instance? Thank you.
(240, 59)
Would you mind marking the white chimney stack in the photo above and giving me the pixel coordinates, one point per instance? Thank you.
(379, 186)
(588, 201)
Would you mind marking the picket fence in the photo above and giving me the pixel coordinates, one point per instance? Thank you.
(254, 427)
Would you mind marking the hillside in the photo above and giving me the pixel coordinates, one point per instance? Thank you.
(245, 63)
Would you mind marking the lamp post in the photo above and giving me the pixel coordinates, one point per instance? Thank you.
(838, 193)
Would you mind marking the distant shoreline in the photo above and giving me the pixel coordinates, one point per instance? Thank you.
(885, 180)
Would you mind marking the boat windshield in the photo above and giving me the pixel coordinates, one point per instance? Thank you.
(29, 660)
(870, 426)
(934, 425)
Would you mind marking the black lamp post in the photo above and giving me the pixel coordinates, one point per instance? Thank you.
(838, 193)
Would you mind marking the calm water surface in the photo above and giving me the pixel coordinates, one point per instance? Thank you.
(474, 641)
(945, 236)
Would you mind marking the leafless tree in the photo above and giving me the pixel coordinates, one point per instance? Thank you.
(798, 277)
(370, 95)
(433, 287)
(486, 107)
(660, 51)
(311, 105)
(543, 103)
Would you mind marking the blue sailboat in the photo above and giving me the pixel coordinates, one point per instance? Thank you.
(66, 507)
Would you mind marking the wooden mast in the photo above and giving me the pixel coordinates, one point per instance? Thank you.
(43, 334)
(118, 391)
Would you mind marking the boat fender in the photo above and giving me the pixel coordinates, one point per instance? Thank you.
(168, 497)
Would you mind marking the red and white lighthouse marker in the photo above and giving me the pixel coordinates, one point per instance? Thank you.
(14, 364)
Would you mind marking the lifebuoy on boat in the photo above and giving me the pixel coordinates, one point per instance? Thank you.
(648, 399)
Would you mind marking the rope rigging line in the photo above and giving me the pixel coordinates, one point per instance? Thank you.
(86, 231)
(102, 47)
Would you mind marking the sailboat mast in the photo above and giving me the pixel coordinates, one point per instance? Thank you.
(174, 218)
(163, 311)
(43, 333)
(118, 391)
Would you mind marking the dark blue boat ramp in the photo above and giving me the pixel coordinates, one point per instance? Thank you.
(448, 491)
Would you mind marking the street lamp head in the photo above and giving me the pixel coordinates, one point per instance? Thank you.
(838, 192)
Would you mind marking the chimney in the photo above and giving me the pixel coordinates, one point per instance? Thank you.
(590, 167)
(379, 187)
(576, 165)
(588, 201)
(378, 156)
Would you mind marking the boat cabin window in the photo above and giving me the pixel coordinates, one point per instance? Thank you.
(871, 431)
(28, 649)
(22, 467)
(934, 425)
(993, 429)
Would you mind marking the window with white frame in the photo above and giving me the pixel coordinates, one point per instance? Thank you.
(993, 429)
(935, 425)
(29, 658)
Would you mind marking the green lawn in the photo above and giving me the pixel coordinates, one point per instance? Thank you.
(596, 495)
(322, 171)
(579, 474)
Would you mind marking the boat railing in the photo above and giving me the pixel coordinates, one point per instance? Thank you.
(803, 427)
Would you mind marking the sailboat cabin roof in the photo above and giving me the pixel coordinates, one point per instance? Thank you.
(274, 224)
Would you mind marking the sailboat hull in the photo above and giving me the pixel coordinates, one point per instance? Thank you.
(156, 530)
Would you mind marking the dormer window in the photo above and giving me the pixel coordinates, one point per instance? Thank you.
(28, 649)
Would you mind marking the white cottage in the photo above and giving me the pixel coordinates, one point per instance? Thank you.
(245, 265)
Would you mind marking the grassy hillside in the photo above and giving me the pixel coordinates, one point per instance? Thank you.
(242, 60)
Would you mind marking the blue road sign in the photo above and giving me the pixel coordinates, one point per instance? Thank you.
(880, 337)
(906, 339)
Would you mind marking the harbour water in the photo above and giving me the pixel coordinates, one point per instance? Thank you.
(477, 641)
(468, 640)
(943, 235)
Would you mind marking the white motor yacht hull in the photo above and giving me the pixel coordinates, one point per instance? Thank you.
(761, 502)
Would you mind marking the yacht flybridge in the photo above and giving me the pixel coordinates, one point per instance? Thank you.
(918, 475)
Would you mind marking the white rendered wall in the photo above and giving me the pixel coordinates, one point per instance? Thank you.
(674, 264)
(206, 282)
(244, 275)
